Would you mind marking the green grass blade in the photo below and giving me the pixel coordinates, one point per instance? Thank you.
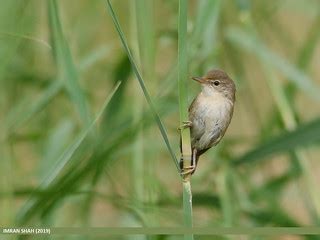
(65, 157)
(26, 37)
(186, 152)
(144, 43)
(308, 49)
(66, 70)
(110, 143)
(250, 43)
(187, 206)
(10, 23)
(206, 26)
(146, 37)
(142, 85)
(290, 123)
(113, 113)
(140, 24)
(302, 136)
(57, 141)
(21, 113)
(183, 82)
(206, 20)
(305, 56)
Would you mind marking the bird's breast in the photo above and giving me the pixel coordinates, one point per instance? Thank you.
(210, 116)
(212, 108)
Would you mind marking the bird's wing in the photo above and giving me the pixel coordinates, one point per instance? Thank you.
(199, 126)
(192, 103)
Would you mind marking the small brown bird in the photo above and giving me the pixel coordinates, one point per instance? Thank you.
(210, 114)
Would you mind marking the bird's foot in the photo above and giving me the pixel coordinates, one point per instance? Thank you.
(185, 124)
(187, 171)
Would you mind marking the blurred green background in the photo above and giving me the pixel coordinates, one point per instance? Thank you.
(74, 154)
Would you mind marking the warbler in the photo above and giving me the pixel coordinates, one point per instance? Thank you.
(210, 114)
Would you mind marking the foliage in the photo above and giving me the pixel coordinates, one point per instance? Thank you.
(77, 152)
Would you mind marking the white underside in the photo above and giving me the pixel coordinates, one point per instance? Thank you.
(210, 119)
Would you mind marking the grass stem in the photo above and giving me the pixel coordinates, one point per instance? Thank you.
(183, 110)
(142, 84)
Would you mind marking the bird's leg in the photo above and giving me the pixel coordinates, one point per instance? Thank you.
(190, 169)
(185, 124)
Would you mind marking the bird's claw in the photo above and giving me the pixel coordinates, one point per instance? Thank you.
(187, 170)
(185, 124)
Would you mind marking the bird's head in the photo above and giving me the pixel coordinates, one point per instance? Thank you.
(217, 82)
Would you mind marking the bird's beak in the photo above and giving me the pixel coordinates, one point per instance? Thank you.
(199, 79)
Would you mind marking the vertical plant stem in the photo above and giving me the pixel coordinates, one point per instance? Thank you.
(146, 45)
(187, 206)
(138, 162)
(183, 109)
(183, 78)
(225, 194)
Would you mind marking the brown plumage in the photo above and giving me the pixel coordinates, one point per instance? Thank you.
(210, 112)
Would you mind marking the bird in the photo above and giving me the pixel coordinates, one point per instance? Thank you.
(210, 114)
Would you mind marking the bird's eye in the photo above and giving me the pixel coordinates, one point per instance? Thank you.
(216, 83)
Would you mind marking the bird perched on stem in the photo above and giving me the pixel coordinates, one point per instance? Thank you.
(210, 114)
